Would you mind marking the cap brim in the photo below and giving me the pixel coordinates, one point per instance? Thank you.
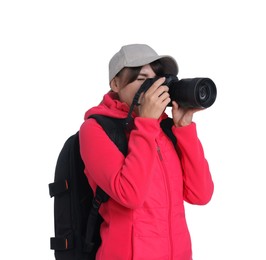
(168, 62)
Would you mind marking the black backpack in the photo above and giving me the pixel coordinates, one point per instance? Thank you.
(76, 219)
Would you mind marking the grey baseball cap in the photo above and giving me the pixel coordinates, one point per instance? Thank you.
(136, 55)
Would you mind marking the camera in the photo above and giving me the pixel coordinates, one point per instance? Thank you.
(189, 92)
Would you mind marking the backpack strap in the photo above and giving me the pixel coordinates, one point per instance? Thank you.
(166, 125)
(115, 129)
(116, 132)
(58, 187)
(100, 197)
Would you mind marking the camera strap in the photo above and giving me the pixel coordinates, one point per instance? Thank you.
(135, 102)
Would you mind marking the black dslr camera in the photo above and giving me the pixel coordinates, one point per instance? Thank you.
(190, 92)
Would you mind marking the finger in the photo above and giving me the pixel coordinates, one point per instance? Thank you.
(163, 100)
(175, 106)
(156, 85)
(162, 89)
(164, 96)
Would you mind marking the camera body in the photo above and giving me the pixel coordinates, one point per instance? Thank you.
(189, 92)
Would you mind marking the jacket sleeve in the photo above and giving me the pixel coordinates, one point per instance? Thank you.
(125, 179)
(198, 184)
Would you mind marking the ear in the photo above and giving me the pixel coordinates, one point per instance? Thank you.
(114, 85)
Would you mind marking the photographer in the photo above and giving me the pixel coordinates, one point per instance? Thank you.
(144, 217)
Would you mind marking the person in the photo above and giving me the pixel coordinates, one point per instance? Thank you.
(145, 217)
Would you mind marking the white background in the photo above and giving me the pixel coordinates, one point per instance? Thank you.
(54, 66)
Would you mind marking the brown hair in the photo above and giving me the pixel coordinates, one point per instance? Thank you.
(129, 74)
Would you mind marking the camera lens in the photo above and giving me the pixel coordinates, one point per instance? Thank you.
(190, 92)
(193, 92)
(205, 92)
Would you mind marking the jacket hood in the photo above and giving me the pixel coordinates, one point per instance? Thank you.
(110, 106)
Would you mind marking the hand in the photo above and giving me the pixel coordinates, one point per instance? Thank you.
(154, 101)
(183, 116)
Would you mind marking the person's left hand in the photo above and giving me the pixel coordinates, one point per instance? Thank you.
(183, 116)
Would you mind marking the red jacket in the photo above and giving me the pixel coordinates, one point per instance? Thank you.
(145, 218)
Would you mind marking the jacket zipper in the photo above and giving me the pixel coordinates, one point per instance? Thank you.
(170, 203)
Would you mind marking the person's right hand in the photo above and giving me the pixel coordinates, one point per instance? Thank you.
(153, 102)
